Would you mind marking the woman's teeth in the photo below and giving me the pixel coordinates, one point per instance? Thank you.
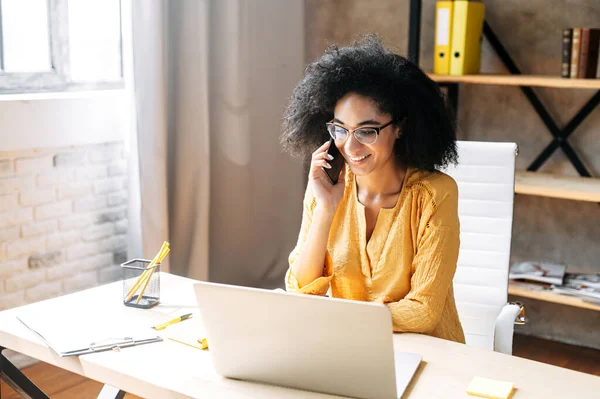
(358, 159)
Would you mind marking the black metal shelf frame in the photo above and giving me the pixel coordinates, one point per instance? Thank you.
(559, 136)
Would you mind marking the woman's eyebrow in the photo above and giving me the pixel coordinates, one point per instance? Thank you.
(367, 122)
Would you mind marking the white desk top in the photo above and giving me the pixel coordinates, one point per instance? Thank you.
(171, 370)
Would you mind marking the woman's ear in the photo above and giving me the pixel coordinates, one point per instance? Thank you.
(401, 126)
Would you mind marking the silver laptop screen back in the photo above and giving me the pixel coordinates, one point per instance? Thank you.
(313, 343)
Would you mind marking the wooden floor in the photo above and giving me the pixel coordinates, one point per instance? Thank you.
(61, 384)
(585, 360)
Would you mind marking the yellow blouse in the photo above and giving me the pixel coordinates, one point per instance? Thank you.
(409, 262)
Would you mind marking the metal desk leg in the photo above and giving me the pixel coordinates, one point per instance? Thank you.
(110, 392)
(22, 385)
(18, 381)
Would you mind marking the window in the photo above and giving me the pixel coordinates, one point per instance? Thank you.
(60, 45)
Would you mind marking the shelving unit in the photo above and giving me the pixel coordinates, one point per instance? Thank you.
(549, 296)
(519, 80)
(530, 182)
(556, 186)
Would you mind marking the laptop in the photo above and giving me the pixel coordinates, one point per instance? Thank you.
(307, 342)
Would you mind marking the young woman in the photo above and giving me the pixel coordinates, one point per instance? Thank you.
(388, 231)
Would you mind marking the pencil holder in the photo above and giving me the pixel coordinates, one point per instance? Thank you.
(138, 278)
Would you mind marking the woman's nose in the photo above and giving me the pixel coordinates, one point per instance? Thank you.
(352, 144)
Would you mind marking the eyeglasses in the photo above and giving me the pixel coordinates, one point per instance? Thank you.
(364, 135)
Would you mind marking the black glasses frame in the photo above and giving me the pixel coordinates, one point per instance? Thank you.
(377, 129)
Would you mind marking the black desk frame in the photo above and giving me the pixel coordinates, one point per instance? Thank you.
(22, 385)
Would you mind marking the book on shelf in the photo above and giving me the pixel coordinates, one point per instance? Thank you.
(575, 48)
(566, 52)
(579, 57)
(588, 55)
(543, 272)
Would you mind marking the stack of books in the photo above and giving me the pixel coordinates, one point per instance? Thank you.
(458, 29)
(580, 53)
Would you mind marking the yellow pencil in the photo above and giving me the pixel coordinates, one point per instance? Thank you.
(147, 279)
(187, 343)
(144, 278)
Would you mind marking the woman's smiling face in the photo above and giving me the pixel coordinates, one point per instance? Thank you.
(353, 111)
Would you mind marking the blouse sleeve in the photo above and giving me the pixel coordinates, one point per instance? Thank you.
(433, 269)
(319, 286)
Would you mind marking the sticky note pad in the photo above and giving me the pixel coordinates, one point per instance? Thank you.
(487, 388)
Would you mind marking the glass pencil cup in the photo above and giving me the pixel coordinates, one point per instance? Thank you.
(138, 279)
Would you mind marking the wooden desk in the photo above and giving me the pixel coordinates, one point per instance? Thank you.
(171, 370)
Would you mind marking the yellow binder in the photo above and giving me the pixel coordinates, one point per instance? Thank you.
(443, 35)
(467, 26)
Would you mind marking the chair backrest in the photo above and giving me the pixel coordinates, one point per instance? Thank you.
(485, 176)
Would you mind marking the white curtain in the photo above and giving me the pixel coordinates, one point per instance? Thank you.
(148, 156)
(212, 79)
(171, 164)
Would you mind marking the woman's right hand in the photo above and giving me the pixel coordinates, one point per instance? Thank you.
(327, 195)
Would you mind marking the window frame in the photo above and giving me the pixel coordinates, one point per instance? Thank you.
(58, 79)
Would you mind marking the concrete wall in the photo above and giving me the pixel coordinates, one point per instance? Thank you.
(550, 229)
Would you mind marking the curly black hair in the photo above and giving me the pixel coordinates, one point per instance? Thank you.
(397, 86)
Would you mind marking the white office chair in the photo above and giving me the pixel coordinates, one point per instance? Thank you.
(486, 177)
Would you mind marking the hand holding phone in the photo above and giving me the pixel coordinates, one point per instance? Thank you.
(337, 163)
(324, 174)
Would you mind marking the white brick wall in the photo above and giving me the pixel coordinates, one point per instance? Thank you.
(63, 221)
(29, 165)
(57, 178)
(16, 217)
(80, 281)
(94, 233)
(12, 267)
(117, 169)
(9, 233)
(17, 248)
(37, 197)
(91, 203)
(91, 173)
(63, 240)
(39, 228)
(19, 282)
(74, 190)
(78, 221)
(12, 184)
(108, 186)
(44, 291)
(8, 201)
(6, 167)
(53, 211)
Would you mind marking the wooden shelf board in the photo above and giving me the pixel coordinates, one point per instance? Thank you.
(556, 186)
(549, 296)
(519, 80)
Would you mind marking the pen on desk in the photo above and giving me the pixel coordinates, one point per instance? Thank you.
(175, 320)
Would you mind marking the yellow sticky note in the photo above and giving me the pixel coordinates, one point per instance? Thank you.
(492, 389)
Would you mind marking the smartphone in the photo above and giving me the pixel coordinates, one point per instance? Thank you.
(336, 164)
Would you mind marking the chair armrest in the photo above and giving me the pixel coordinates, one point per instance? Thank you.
(503, 330)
